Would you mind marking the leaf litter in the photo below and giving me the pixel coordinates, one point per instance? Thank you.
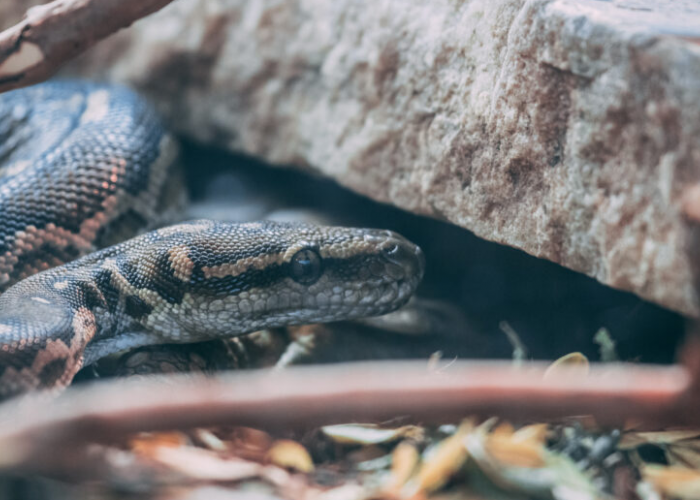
(475, 459)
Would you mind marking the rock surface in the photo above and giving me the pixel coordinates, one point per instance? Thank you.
(567, 128)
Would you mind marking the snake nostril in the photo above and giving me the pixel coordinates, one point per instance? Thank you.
(391, 250)
(404, 254)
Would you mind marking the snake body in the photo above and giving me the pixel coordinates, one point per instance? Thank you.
(82, 166)
(87, 164)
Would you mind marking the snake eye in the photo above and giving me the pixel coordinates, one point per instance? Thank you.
(306, 267)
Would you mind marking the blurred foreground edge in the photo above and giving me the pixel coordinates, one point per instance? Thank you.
(301, 397)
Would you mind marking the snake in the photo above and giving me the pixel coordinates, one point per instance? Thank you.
(88, 176)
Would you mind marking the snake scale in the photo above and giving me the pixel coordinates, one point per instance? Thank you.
(85, 166)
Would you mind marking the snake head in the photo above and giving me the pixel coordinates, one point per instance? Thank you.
(266, 274)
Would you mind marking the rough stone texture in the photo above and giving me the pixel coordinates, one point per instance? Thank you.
(569, 129)
(11, 11)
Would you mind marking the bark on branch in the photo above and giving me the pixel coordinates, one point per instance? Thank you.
(53, 34)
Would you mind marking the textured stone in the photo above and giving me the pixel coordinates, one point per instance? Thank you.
(12, 11)
(569, 129)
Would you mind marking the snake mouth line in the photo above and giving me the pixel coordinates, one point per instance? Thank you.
(386, 299)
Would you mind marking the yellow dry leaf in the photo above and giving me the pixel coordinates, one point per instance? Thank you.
(290, 455)
(674, 482)
(447, 459)
(525, 466)
(404, 461)
(512, 452)
(535, 434)
(521, 448)
(504, 428)
(574, 362)
(147, 443)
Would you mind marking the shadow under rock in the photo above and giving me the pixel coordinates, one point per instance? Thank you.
(554, 310)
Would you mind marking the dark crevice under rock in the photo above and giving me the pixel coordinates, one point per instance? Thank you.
(554, 310)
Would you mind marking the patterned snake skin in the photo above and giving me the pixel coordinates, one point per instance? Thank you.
(86, 165)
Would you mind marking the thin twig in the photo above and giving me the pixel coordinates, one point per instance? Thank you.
(304, 396)
(53, 34)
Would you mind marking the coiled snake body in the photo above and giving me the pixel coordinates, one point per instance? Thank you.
(85, 165)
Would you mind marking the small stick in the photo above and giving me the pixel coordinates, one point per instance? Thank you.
(318, 395)
(53, 34)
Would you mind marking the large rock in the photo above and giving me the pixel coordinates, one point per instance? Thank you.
(569, 129)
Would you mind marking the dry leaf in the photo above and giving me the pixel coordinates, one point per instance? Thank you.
(204, 465)
(208, 439)
(633, 439)
(248, 443)
(404, 461)
(368, 454)
(434, 361)
(674, 482)
(147, 443)
(536, 433)
(523, 465)
(515, 453)
(290, 455)
(442, 464)
(575, 363)
(369, 434)
(682, 447)
(349, 491)
(522, 448)
(504, 428)
(684, 454)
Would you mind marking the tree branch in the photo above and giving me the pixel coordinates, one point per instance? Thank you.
(305, 396)
(53, 34)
